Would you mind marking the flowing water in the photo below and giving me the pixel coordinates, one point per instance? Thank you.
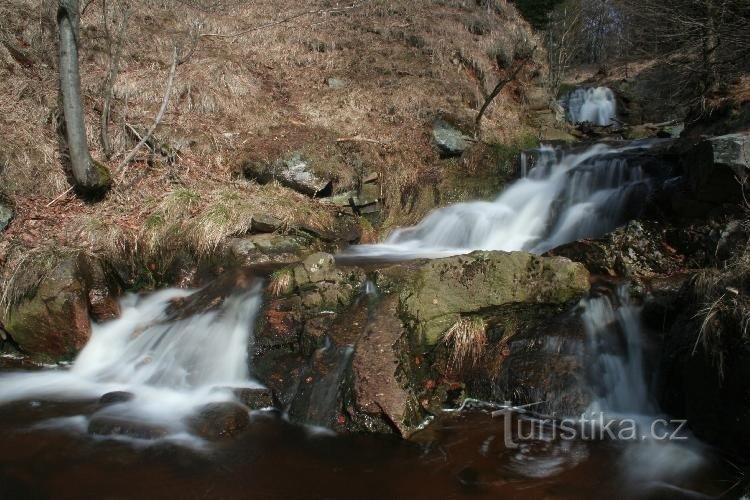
(174, 363)
(564, 197)
(170, 366)
(595, 105)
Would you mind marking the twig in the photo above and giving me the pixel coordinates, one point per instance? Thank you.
(357, 138)
(59, 196)
(159, 116)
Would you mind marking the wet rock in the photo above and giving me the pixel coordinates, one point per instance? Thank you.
(103, 291)
(536, 360)
(444, 289)
(294, 172)
(53, 323)
(716, 167)
(116, 397)
(637, 250)
(254, 398)
(381, 401)
(105, 425)
(705, 382)
(220, 420)
(450, 140)
(265, 223)
(282, 325)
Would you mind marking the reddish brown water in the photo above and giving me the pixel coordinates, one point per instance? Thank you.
(458, 456)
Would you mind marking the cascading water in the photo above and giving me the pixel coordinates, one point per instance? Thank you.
(563, 198)
(171, 366)
(660, 451)
(592, 105)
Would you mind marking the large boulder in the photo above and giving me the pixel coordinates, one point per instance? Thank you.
(716, 167)
(52, 321)
(445, 289)
(381, 399)
(637, 250)
(52, 324)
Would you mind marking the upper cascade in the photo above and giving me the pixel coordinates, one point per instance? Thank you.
(563, 198)
(594, 105)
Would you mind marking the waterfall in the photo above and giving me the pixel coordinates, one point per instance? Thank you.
(614, 335)
(618, 375)
(592, 105)
(564, 197)
(170, 365)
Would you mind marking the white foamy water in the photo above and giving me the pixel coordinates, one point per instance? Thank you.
(595, 105)
(171, 366)
(563, 198)
(662, 452)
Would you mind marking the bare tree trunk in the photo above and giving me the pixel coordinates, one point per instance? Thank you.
(90, 177)
(710, 46)
(496, 91)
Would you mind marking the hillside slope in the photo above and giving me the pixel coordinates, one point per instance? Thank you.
(355, 87)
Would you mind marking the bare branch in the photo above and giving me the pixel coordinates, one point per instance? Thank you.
(159, 116)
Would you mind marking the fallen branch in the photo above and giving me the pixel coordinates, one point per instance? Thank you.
(159, 116)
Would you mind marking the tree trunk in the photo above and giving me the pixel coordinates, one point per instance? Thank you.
(710, 46)
(90, 177)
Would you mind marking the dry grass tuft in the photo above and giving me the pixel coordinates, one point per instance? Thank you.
(29, 270)
(724, 311)
(281, 282)
(467, 339)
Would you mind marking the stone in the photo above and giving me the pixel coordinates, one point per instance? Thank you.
(255, 398)
(318, 266)
(265, 223)
(282, 324)
(116, 397)
(102, 290)
(219, 420)
(716, 167)
(106, 425)
(336, 83)
(294, 172)
(542, 364)
(636, 250)
(450, 140)
(6, 214)
(444, 289)
(53, 323)
(378, 392)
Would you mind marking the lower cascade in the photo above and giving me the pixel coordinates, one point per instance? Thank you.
(592, 105)
(564, 197)
(164, 367)
(657, 449)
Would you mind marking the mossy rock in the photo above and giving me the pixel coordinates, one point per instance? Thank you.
(445, 289)
(53, 324)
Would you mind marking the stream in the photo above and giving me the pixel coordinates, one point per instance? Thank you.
(171, 365)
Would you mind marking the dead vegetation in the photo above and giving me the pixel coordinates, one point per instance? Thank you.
(723, 296)
(256, 83)
(467, 340)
